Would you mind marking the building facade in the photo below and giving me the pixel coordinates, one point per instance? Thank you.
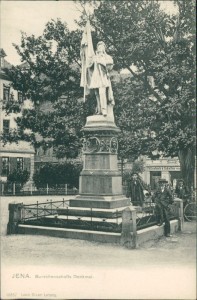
(12, 155)
(167, 168)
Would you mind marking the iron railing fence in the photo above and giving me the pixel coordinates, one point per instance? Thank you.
(145, 216)
(41, 209)
(86, 223)
(16, 189)
(46, 214)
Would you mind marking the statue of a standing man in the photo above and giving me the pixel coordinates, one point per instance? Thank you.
(95, 74)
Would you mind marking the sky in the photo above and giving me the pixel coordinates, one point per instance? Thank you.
(31, 17)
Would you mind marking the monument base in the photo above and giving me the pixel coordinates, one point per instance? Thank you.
(100, 185)
(100, 202)
(104, 202)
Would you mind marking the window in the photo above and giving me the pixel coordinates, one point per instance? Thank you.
(11, 96)
(20, 97)
(6, 92)
(6, 126)
(2, 62)
(5, 166)
(19, 163)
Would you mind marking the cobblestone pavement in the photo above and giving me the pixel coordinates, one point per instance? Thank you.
(165, 268)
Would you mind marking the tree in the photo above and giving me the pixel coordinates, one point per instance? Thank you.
(18, 176)
(52, 174)
(50, 77)
(155, 107)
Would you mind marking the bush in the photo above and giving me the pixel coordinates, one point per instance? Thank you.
(18, 176)
(52, 174)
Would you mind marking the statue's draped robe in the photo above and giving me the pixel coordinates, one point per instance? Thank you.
(94, 74)
(99, 74)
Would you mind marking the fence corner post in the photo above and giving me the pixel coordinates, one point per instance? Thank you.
(129, 228)
(15, 215)
(179, 213)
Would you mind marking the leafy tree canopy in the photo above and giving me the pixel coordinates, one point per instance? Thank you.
(155, 105)
(50, 77)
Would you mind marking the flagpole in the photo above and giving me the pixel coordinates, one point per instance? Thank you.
(87, 51)
(84, 91)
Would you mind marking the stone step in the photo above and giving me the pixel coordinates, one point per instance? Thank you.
(86, 219)
(90, 235)
(105, 202)
(143, 236)
(88, 212)
(74, 222)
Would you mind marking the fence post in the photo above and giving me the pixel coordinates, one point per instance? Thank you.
(179, 212)
(47, 188)
(14, 188)
(129, 228)
(15, 216)
(66, 189)
(31, 189)
(37, 209)
(91, 216)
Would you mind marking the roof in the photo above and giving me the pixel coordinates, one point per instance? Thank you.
(2, 53)
(7, 65)
(24, 65)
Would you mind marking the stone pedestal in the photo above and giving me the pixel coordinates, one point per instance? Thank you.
(100, 180)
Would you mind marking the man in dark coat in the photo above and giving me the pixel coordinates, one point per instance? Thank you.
(163, 198)
(136, 190)
(182, 192)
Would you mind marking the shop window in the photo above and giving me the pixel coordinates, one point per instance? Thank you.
(5, 166)
(19, 163)
(6, 126)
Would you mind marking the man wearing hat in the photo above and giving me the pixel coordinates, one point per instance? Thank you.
(182, 192)
(163, 197)
(136, 190)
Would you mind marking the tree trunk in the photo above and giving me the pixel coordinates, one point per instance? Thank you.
(187, 164)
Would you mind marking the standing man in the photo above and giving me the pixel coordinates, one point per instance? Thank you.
(163, 197)
(182, 192)
(136, 190)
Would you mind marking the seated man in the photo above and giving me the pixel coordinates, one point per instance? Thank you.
(163, 198)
